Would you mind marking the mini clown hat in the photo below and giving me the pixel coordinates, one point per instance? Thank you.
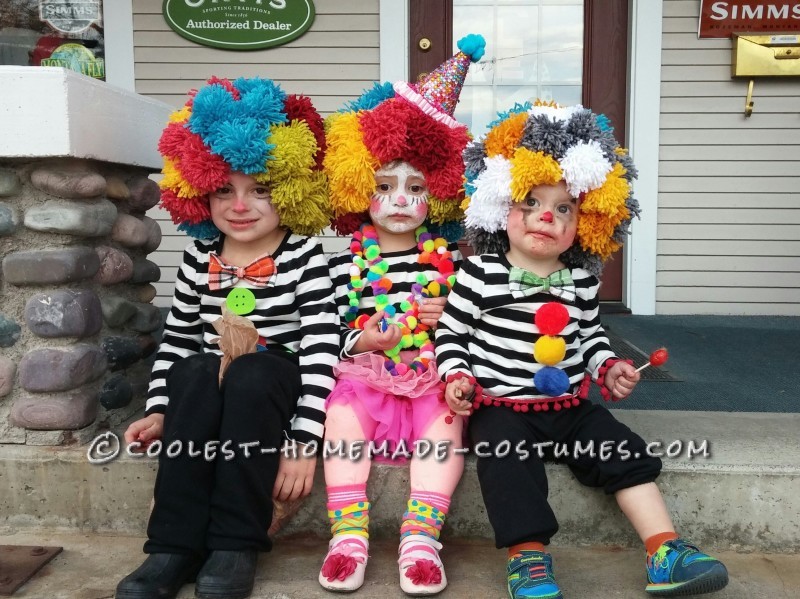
(437, 94)
(251, 126)
(542, 144)
(407, 122)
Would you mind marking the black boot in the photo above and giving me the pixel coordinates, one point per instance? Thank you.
(227, 575)
(161, 576)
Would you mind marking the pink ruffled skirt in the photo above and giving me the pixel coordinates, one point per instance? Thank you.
(395, 407)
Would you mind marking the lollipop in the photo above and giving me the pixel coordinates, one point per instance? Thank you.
(658, 357)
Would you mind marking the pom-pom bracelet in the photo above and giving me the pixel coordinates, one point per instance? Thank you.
(601, 378)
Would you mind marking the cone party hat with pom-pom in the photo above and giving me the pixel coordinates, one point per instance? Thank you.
(437, 94)
(412, 123)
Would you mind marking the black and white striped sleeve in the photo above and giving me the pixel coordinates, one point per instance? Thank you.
(459, 320)
(319, 345)
(594, 342)
(183, 331)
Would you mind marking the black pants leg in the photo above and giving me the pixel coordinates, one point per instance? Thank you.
(201, 503)
(514, 491)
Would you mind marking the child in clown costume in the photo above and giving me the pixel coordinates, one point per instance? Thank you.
(252, 328)
(395, 171)
(549, 192)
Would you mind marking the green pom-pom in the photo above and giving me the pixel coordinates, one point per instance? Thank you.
(405, 305)
(422, 279)
(407, 341)
(372, 252)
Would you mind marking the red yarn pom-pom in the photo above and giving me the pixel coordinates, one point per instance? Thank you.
(551, 318)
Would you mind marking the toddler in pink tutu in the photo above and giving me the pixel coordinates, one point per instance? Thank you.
(395, 170)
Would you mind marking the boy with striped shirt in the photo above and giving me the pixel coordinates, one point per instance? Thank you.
(252, 328)
(520, 341)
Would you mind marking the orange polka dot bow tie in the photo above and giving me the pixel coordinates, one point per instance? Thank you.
(524, 283)
(222, 276)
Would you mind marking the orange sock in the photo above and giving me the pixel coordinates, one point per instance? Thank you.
(531, 546)
(652, 544)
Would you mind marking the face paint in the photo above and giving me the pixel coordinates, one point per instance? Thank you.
(400, 201)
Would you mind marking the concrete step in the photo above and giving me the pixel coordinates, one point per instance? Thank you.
(741, 496)
(91, 566)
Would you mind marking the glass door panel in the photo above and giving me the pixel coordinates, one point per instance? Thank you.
(534, 49)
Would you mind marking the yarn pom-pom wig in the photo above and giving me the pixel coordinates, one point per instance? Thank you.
(408, 122)
(251, 126)
(542, 144)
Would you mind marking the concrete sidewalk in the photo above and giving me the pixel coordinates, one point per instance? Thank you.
(91, 565)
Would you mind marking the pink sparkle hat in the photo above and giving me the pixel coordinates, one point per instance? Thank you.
(437, 94)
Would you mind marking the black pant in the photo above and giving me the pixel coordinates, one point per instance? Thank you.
(203, 504)
(515, 490)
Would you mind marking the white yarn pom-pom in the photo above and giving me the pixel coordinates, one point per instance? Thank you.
(489, 205)
(585, 168)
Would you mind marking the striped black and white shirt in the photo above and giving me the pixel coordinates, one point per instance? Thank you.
(403, 270)
(295, 312)
(489, 333)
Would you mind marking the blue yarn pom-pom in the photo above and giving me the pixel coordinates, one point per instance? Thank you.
(473, 45)
(604, 123)
(202, 230)
(370, 98)
(551, 381)
(452, 231)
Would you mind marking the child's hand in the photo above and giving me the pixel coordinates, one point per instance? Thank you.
(458, 395)
(145, 430)
(620, 379)
(372, 338)
(430, 310)
(295, 476)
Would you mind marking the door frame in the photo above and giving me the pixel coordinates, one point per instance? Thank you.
(642, 130)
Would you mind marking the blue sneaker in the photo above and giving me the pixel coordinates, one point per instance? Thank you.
(678, 568)
(530, 575)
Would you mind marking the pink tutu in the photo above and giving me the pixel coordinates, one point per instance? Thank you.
(395, 407)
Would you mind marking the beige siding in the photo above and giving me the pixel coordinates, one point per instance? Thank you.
(729, 186)
(332, 63)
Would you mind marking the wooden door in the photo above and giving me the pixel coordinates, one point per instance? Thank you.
(604, 72)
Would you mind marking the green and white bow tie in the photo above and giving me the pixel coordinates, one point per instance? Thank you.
(524, 283)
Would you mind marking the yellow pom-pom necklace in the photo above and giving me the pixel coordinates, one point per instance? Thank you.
(367, 257)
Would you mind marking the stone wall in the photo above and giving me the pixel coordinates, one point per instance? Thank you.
(76, 318)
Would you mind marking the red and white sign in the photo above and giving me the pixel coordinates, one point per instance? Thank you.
(721, 18)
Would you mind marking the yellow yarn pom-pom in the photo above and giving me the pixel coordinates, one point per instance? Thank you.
(549, 350)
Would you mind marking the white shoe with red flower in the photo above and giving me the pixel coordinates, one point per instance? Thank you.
(421, 569)
(344, 565)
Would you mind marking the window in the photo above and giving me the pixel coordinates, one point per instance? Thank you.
(60, 33)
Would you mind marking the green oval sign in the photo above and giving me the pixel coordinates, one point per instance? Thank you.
(239, 24)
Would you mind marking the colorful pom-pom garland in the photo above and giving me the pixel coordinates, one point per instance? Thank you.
(251, 126)
(370, 268)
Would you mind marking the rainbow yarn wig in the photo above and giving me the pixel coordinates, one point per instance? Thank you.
(408, 122)
(252, 126)
(542, 144)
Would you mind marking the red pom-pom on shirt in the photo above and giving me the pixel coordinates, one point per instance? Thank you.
(551, 318)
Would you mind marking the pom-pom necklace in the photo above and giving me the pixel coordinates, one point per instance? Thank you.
(367, 257)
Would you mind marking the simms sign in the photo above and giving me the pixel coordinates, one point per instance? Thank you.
(239, 24)
(720, 18)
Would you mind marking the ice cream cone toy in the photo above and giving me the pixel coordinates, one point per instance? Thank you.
(658, 357)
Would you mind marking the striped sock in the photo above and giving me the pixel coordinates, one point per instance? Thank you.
(425, 514)
(348, 510)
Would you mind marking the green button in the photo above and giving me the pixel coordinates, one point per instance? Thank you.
(241, 301)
